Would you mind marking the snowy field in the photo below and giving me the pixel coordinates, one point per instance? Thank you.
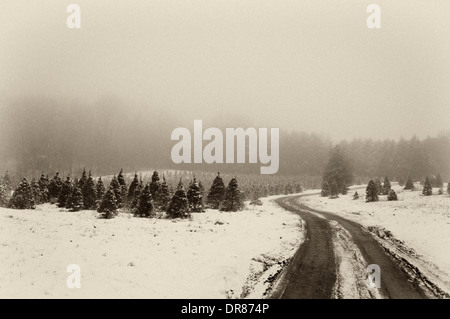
(212, 255)
(422, 222)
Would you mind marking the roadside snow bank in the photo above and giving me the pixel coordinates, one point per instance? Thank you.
(213, 255)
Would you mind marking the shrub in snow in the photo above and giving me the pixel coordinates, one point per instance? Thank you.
(392, 195)
(178, 207)
(371, 192)
(440, 191)
(356, 196)
(22, 197)
(108, 206)
(409, 183)
(427, 188)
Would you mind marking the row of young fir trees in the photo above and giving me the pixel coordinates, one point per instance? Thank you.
(142, 199)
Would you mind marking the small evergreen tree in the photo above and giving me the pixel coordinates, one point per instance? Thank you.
(155, 186)
(232, 201)
(338, 169)
(441, 191)
(409, 183)
(108, 206)
(164, 195)
(35, 191)
(216, 193)
(401, 182)
(427, 188)
(379, 186)
(195, 198)
(371, 192)
(123, 186)
(356, 195)
(89, 193)
(392, 195)
(325, 189)
(438, 182)
(334, 190)
(386, 186)
(144, 206)
(178, 207)
(65, 192)
(75, 200)
(3, 195)
(83, 179)
(43, 186)
(137, 193)
(55, 185)
(22, 197)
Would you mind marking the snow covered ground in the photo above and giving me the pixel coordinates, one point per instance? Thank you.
(422, 222)
(213, 255)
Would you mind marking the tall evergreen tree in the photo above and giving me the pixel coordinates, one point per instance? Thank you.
(178, 207)
(64, 193)
(132, 188)
(371, 192)
(232, 201)
(325, 189)
(144, 207)
(409, 183)
(123, 186)
(334, 190)
(338, 169)
(216, 193)
(427, 188)
(386, 186)
(35, 191)
(108, 206)
(89, 193)
(22, 197)
(55, 185)
(155, 186)
(83, 179)
(43, 185)
(117, 191)
(100, 190)
(137, 193)
(75, 200)
(195, 198)
(379, 186)
(438, 182)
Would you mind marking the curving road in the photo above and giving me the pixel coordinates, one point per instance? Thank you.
(312, 272)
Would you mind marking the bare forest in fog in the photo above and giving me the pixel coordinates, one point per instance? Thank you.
(106, 135)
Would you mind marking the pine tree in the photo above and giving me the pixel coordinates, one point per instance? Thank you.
(195, 198)
(55, 185)
(298, 188)
(123, 186)
(108, 206)
(65, 192)
(391, 195)
(144, 206)
(35, 191)
(338, 169)
(83, 179)
(117, 191)
(216, 193)
(164, 195)
(439, 182)
(371, 192)
(7, 181)
(401, 182)
(69, 201)
(43, 185)
(334, 190)
(409, 183)
(137, 193)
(232, 201)
(75, 200)
(356, 195)
(427, 188)
(3, 195)
(22, 197)
(89, 193)
(325, 189)
(178, 207)
(386, 186)
(379, 186)
(155, 186)
(132, 188)
(100, 190)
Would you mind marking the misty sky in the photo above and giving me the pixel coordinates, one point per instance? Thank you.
(299, 65)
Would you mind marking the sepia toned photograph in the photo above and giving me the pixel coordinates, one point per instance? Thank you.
(239, 152)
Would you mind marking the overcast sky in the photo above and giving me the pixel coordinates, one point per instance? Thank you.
(299, 65)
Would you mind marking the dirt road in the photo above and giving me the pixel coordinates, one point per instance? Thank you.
(313, 270)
